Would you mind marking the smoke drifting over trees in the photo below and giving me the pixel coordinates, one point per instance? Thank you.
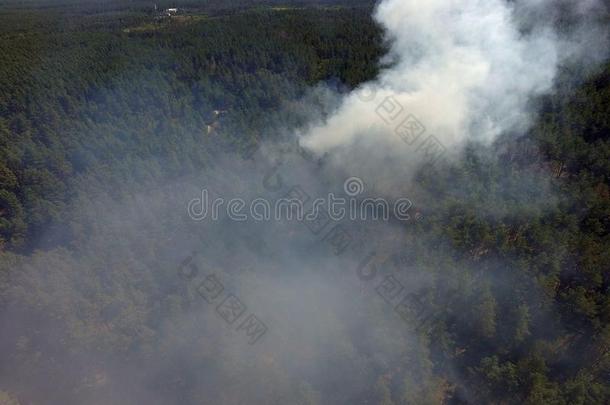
(493, 289)
(466, 70)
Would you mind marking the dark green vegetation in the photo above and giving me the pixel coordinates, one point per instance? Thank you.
(119, 101)
(545, 340)
(64, 77)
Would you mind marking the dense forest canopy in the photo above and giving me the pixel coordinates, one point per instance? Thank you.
(96, 6)
(160, 78)
(113, 115)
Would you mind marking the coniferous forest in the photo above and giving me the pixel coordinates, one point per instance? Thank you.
(113, 115)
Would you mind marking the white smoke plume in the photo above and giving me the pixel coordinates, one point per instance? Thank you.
(465, 69)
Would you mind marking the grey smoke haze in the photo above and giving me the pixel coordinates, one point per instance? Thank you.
(326, 326)
(466, 69)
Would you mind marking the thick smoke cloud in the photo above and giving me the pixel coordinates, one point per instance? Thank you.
(465, 69)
